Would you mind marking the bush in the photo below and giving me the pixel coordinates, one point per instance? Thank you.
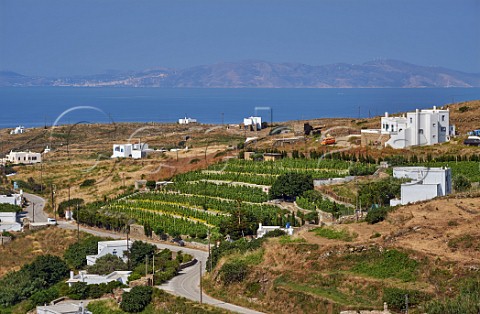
(395, 297)
(464, 109)
(274, 233)
(137, 299)
(376, 215)
(234, 271)
(107, 264)
(75, 255)
(87, 182)
(461, 183)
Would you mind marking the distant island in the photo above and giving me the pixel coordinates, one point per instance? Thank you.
(262, 74)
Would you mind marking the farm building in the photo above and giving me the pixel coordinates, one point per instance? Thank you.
(24, 157)
(263, 230)
(135, 151)
(187, 120)
(254, 123)
(18, 130)
(426, 183)
(422, 127)
(13, 199)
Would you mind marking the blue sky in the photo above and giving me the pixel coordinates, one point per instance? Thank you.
(85, 37)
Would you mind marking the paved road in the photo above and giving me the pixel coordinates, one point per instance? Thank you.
(39, 204)
(187, 283)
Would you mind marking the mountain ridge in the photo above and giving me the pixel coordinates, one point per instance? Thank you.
(263, 74)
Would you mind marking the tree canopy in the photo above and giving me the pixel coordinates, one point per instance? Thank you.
(290, 185)
(107, 264)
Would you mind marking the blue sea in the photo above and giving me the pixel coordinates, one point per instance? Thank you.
(37, 106)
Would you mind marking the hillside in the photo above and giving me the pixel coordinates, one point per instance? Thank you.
(429, 250)
(263, 74)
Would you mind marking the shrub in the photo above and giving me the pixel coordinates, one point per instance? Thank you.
(107, 264)
(464, 109)
(395, 297)
(376, 215)
(87, 182)
(329, 233)
(461, 183)
(233, 271)
(137, 299)
(274, 233)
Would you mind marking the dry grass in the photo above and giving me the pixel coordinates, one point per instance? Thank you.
(31, 244)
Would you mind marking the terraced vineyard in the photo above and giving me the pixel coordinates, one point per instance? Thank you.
(203, 200)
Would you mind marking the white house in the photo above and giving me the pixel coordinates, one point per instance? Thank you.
(14, 199)
(187, 120)
(18, 130)
(422, 127)
(135, 151)
(9, 222)
(91, 279)
(263, 230)
(24, 157)
(117, 248)
(253, 122)
(426, 183)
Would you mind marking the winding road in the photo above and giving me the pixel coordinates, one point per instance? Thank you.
(186, 284)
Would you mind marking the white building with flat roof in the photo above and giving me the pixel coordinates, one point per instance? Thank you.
(13, 199)
(70, 307)
(18, 130)
(187, 120)
(426, 183)
(135, 151)
(254, 122)
(94, 279)
(422, 127)
(117, 248)
(24, 157)
(263, 230)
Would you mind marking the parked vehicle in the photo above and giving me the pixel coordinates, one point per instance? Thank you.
(472, 141)
(328, 141)
(51, 221)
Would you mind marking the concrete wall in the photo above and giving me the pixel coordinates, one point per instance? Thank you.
(418, 192)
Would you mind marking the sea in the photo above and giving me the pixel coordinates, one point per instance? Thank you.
(40, 106)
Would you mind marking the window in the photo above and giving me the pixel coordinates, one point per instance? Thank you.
(411, 120)
(433, 136)
(443, 129)
(420, 131)
(434, 124)
(443, 117)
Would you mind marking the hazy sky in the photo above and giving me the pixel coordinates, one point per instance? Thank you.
(63, 37)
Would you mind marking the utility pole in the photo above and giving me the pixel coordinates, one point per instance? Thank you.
(406, 304)
(53, 187)
(201, 297)
(146, 265)
(128, 248)
(78, 224)
(209, 251)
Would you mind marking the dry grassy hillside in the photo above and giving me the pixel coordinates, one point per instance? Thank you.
(428, 250)
(31, 244)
